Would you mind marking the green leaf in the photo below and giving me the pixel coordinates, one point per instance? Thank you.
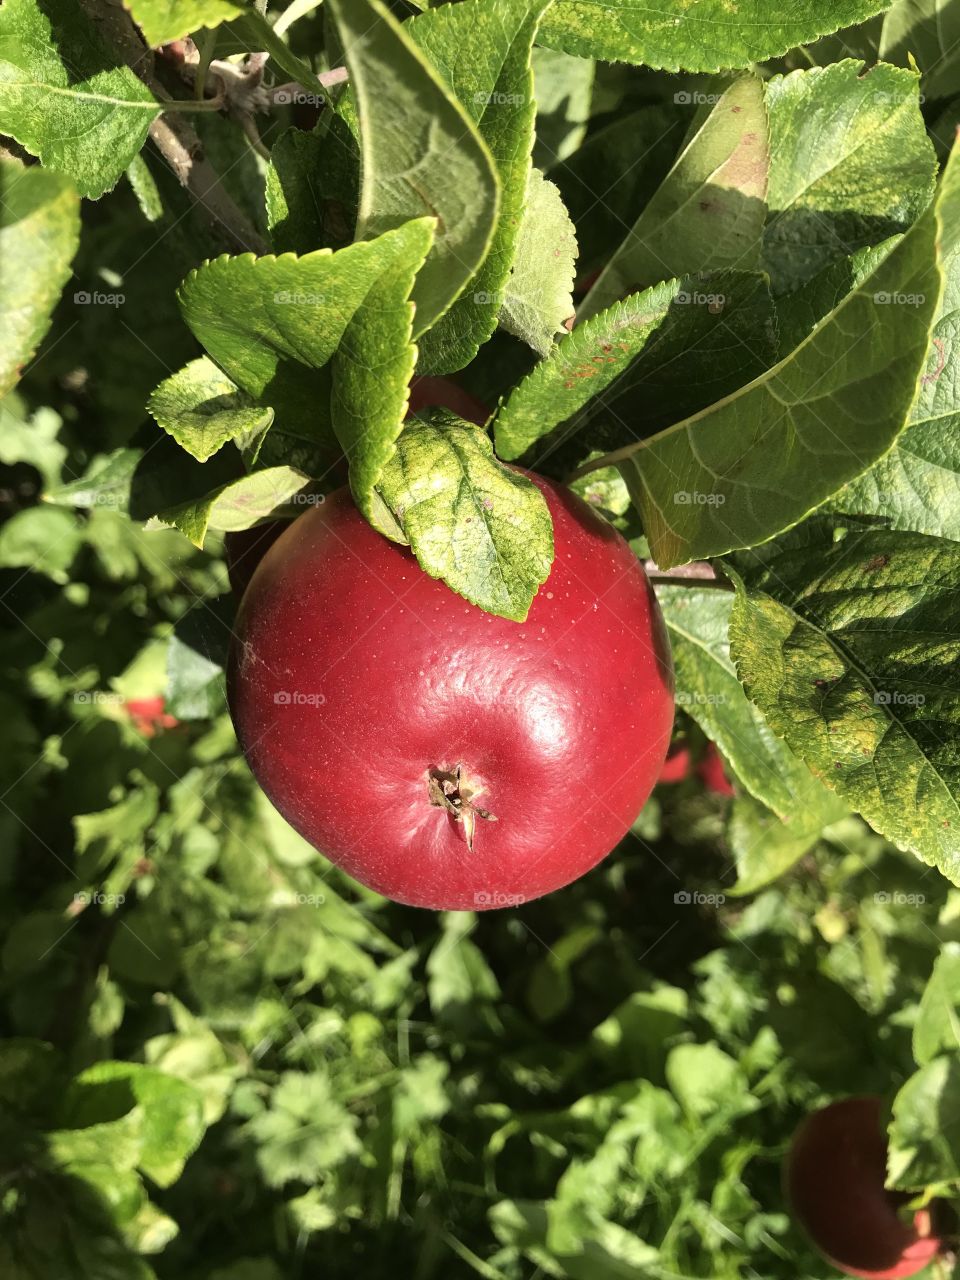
(31, 437)
(371, 372)
(123, 481)
(764, 457)
(582, 1248)
(422, 154)
(162, 21)
(459, 975)
(709, 212)
(238, 505)
(312, 189)
(869, 174)
(925, 1131)
(538, 296)
(799, 313)
(709, 36)
(305, 1133)
(39, 231)
(64, 98)
(195, 683)
(482, 528)
(608, 158)
(202, 409)
(845, 644)
(925, 34)
(43, 539)
(643, 363)
(272, 323)
(707, 689)
(167, 1114)
(764, 846)
(916, 484)
(937, 1028)
(482, 48)
(704, 1079)
(121, 823)
(33, 941)
(564, 90)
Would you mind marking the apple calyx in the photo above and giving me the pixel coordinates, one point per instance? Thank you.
(455, 792)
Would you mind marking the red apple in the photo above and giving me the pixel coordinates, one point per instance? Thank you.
(444, 393)
(834, 1179)
(445, 757)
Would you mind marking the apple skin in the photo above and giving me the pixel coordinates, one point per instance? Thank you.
(354, 677)
(427, 391)
(834, 1179)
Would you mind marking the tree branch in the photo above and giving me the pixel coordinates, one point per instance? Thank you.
(182, 149)
(175, 139)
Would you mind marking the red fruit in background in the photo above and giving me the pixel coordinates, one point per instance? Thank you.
(148, 715)
(712, 774)
(834, 1180)
(374, 705)
(444, 393)
(244, 551)
(676, 767)
(584, 284)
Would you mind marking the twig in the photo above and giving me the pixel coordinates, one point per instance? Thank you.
(174, 138)
(182, 149)
(284, 93)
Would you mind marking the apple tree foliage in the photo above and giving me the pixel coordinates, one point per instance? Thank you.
(702, 262)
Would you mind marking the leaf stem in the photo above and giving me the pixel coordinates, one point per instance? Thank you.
(206, 44)
(607, 460)
(697, 574)
(192, 104)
